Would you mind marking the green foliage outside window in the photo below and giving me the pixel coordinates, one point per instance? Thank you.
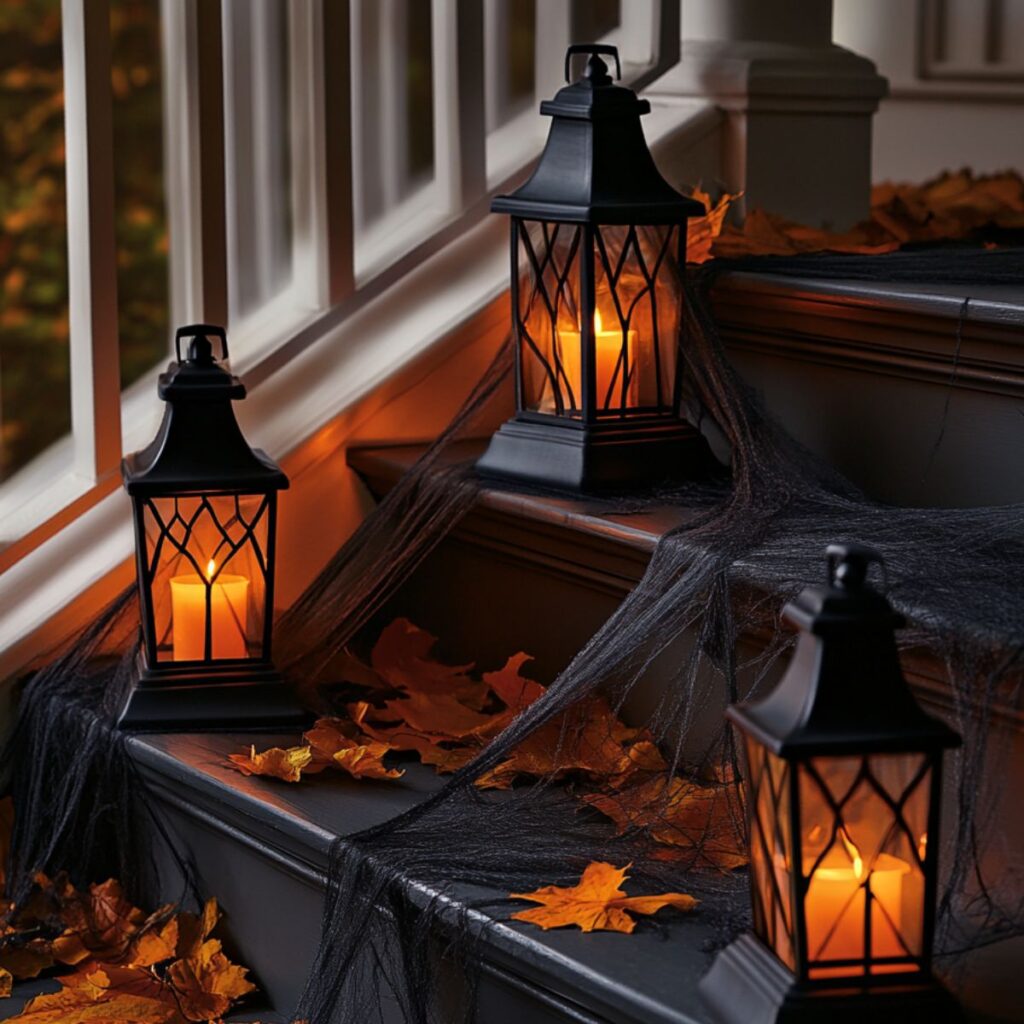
(34, 362)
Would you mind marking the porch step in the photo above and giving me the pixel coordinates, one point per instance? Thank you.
(261, 846)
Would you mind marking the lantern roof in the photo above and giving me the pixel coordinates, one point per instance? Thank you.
(844, 691)
(199, 447)
(596, 167)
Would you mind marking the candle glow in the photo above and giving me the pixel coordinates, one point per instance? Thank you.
(609, 363)
(228, 598)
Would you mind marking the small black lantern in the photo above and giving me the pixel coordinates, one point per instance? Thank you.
(844, 783)
(205, 511)
(598, 250)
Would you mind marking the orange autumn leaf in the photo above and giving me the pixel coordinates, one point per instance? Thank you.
(364, 761)
(328, 736)
(193, 930)
(515, 690)
(96, 997)
(702, 231)
(697, 820)
(28, 960)
(953, 206)
(587, 738)
(277, 762)
(401, 657)
(6, 983)
(99, 924)
(156, 942)
(437, 715)
(596, 903)
(206, 985)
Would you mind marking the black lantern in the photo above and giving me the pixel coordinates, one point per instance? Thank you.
(598, 250)
(844, 786)
(205, 510)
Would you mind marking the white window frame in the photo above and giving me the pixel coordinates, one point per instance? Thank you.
(67, 506)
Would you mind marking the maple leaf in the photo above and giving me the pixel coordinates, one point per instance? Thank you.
(587, 738)
(194, 930)
(25, 961)
(329, 735)
(207, 984)
(277, 762)
(364, 761)
(6, 983)
(596, 903)
(515, 690)
(156, 941)
(676, 812)
(401, 657)
(702, 231)
(99, 924)
(97, 997)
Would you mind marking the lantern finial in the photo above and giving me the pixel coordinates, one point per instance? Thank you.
(848, 564)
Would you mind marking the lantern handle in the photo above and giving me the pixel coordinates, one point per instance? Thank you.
(200, 331)
(848, 565)
(593, 48)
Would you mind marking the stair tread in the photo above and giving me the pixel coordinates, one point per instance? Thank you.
(588, 515)
(630, 978)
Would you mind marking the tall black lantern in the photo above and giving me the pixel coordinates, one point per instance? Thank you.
(598, 250)
(205, 510)
(844, 786)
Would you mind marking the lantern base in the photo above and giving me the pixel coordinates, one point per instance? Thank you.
(596, 458)
(253, 698)
(747, 984)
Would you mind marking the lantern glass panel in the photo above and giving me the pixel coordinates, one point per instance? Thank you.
(863, 837)
(771, 852)
(635, 319)
(638, 305)
(206, 562)
(548, 320)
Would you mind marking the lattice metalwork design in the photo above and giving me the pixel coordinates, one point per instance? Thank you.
(597, 316)
(863, 848)
(771, 853)
(207, 583)
(840, 874)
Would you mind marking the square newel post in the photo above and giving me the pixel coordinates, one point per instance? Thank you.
(797, 134)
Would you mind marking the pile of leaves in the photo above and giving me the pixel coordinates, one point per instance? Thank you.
(957, 206)
(444, 715)
(122, 964)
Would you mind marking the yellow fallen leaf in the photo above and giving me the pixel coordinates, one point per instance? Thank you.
(277, 762)
(364, 761)
(596, 903)
(207, 984)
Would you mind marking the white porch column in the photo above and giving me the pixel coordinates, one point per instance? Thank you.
(797, 134)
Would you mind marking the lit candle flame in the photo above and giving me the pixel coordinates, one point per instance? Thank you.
(597, 321)
(853, 853)
(211, 568)
(922, 845)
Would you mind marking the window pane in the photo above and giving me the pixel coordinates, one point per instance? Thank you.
(35, 406)
(258, 165)
(141, 218)
(593, 19)
(510, 28)
(393, 104)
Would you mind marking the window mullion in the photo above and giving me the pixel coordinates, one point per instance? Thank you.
(92, 254)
